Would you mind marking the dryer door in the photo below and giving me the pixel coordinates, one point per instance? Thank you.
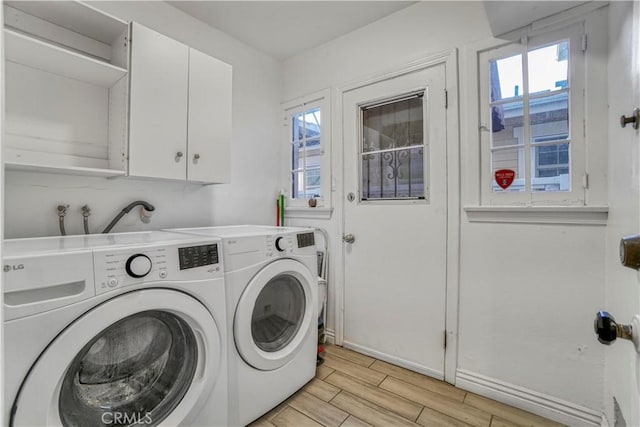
(274, 314)
(142, 358)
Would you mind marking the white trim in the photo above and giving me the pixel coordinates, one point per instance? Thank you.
(580, 215)
(450, 59)
(394, 360)
(330, 334)
(307, 213)
(322, 100)
(520, 397)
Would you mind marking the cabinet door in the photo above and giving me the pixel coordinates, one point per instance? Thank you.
(158, 105)
(209, 145)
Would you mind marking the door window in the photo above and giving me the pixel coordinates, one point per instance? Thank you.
(278, 313)
(134, 372)
(392, 149)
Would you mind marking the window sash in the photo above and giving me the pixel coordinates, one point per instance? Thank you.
(575, 138)
(310, 146)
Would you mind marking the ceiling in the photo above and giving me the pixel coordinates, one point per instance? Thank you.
(283, 29)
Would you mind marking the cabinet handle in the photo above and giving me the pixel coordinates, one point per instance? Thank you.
(196, 157)
(178, 156)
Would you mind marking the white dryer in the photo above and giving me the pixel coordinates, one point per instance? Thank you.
(120, 329)
(271, 282)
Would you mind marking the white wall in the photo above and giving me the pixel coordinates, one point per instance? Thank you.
(31, 199)
(528, 293)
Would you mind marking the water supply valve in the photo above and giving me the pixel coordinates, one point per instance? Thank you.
(608, 330)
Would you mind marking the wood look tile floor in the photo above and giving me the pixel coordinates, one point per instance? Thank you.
(354, 390)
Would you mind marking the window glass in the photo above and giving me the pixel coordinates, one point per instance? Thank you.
(306, 153)
(506, 124)
(506, 78)
(393, 149)
(393, 125)
(137, 369)
(549, 117)
(548, 67)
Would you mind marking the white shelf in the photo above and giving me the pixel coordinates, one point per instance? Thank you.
(75, 16)
(35, 53)
(64, 170)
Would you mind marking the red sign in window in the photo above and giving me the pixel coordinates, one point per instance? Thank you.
(505, 177)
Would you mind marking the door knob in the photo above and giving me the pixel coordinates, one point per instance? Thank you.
(348, 238)
(608, 330)
(633, 118)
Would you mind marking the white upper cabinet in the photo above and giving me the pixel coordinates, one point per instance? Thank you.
(158, 105)
(209, 121)
(180, 111)
(66, 86)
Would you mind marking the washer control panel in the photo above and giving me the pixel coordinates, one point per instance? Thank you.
(289, 244)
(116, 268)
(197, 256)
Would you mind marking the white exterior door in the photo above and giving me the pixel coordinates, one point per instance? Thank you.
(158, 105)
(395, 219)
(209, 123)
(622, 366)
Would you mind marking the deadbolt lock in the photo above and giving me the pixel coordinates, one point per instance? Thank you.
(630, 251)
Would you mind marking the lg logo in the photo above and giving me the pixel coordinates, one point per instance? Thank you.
(8, 268)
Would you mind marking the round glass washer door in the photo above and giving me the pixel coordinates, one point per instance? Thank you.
(155, 362)
(274, 314)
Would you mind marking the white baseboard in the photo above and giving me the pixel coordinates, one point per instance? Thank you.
(538, 403)
(330, 334)
(394, 360)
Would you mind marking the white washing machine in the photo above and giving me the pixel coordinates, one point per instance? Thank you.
(271, 282)
(119, 329)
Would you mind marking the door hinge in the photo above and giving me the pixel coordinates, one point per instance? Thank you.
(585, 180)
(446, 98)
(584, 42)
(445, 339)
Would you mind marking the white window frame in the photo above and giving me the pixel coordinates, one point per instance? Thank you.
(577, 195)
(322, 100)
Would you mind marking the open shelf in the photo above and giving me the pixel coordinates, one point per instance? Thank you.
(64, 170)
(26, 50)
(75, 16)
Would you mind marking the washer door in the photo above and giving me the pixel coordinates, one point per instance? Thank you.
(142, 358)
(274, 314)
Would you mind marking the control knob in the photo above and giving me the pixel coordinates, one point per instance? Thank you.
(138, 265)
(281, 244)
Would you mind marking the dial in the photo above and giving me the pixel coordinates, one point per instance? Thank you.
(281, 244)
(138, 265)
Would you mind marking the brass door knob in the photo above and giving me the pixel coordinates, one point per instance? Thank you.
(630, 251)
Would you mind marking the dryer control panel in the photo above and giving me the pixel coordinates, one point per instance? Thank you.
(115, 268)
